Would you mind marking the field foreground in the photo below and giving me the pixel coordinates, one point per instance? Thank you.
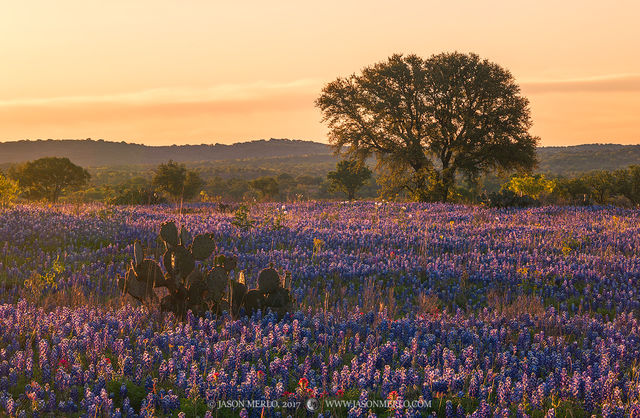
(403, 310)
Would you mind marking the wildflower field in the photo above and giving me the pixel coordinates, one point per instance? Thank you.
(401, 310)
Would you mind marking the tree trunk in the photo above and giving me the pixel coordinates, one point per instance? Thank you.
(445, 193)
(420, 191)
(447, 181)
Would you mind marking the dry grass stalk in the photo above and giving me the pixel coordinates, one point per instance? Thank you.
(522, 304)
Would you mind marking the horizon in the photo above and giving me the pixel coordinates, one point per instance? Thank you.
(160, 73)
(264, 140)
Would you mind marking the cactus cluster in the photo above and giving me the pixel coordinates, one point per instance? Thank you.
(191, 287)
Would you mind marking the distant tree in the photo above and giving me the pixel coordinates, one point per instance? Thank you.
(530, 185)
(429, 120)
(136, 191)
(285, 178)
(574, 189)
(267, 187)
(178, 182)
(237, 188)
(626, 182)
(192, 185)
(350, 175)
(634, 183)
(602, 185)
(49, 177)
(8, 191)
(137, 196)
(286, 184)
(309, 180)
(227, 189)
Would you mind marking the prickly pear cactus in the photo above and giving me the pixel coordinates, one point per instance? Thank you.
(237, 293)
(268, 280)
(191, 286)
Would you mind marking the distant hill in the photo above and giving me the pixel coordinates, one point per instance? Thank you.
(294, 154)
(569, 161)
(99, 153)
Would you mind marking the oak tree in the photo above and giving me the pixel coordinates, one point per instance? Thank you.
(429, 121)
(349, 177)
(49, 177)
(178, 182)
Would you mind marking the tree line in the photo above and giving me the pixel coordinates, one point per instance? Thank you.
(54, 178)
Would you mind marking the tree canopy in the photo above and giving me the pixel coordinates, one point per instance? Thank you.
(350, 175)
(266, 186)
(530, 185)
(178, 182)
(8, 190)
(49, 177)
(429, 120)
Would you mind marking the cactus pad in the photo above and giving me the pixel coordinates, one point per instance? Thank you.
(138, 252)
(217, 282)
(140, 290)
(182, 262)
(238, 291)
(253, 301)
(185, 237)
(230, 263)
(169, 233)
(268, 280)
(202, 247)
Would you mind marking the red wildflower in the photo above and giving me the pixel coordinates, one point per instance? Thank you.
(304, 382)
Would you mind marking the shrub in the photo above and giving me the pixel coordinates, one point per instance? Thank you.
(8, 191)
(507, 199)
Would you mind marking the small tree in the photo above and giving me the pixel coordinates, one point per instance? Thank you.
(267, 187)
(178, 182)
(350, 175)
(8, 191)
(574, 189)
(49, 177)
(136, 191)
(634, 183)
(529, 185)
(602, 185)
(192, 185)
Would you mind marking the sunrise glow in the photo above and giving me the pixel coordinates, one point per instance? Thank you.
(164, 72)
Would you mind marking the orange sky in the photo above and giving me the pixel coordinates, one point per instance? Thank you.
(207, 71)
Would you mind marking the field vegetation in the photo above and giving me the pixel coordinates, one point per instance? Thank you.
(478, 310)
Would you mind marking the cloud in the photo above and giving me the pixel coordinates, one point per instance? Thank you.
(222, 93)
(222, 113)
(159, 106)
(622, 83)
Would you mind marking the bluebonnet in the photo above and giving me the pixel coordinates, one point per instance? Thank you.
(583, 264)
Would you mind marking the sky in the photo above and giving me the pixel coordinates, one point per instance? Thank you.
(205, 71)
